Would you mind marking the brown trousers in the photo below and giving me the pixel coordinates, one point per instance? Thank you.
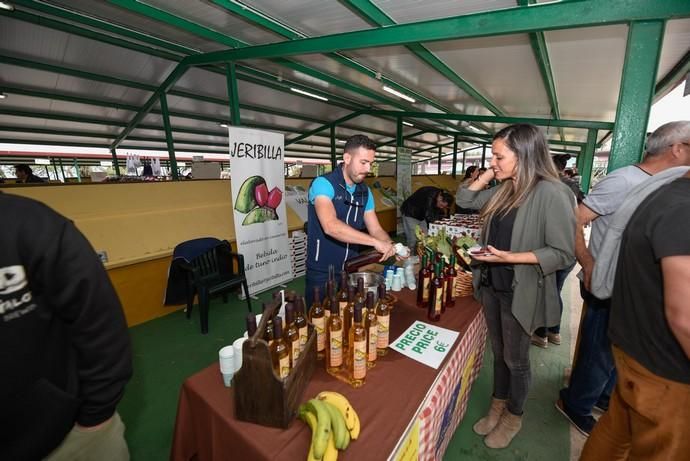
(648, 418)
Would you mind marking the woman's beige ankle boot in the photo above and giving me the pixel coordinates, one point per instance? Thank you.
(488, 422)
(507, 428)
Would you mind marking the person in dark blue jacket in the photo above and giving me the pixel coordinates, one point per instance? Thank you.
(342, 216)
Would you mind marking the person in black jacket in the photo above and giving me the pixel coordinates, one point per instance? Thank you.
(425, 205)
(26, 175)
(64, 346)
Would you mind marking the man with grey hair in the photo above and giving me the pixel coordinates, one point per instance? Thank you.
(594, 375)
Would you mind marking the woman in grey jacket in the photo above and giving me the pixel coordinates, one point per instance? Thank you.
(529, 234)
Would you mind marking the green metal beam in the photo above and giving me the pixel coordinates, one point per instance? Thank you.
(323, 127)
(455, 156)
(440, 152)
(541, 54)
(169, 138)
(585, 166)
(546, 16)
(636, 92)
(233, 95)
(374, 15)
(333, 160)
(113, 152)
(259, 18)
(491, 119)
(181, 23)
(673, 77)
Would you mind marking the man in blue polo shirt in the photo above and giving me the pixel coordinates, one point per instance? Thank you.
(341, 207)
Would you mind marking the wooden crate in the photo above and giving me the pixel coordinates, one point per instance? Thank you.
(261, 397)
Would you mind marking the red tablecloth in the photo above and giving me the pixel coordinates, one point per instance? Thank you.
(400, 396)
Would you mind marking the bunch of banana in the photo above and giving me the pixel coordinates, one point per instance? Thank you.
(333, 422)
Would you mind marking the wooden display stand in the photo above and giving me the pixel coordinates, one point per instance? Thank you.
(261, 397)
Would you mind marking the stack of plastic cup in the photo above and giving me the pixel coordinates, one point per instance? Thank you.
(226, 358)
(397, 282)
(410, 278)
(389, 279)
(401, 272)
(237, 345)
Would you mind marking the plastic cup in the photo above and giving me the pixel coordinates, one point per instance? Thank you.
(397, 282)
(227, 379)
(237, 345)
(226, 358)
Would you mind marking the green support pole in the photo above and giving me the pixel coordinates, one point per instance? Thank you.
(398, 138)
(333, 161)
(483, 155)
(587, 160)
(57, 176)
(636, 92)
(439, 160)
(233, 95)
(113, 152)
(169, 138)
(76, 167)
(455, 156)
(62, 169)
(464, 157)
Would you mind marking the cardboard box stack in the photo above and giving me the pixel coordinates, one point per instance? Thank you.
(298, 252)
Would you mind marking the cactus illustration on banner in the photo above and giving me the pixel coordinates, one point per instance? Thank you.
(257, 202)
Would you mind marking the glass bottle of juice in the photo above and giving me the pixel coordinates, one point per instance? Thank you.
(436, 295)
(317, 319)
(301, 323)
(383, 317)
(372, 327)
(330, 289)
(451, 274)
(342, 294)
(280, 355)
(291, 334)
(268, 334)
(348, 315)
(334, 339)
(423, 284)
(357, 366)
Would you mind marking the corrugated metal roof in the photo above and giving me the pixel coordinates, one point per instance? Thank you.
(110, 56)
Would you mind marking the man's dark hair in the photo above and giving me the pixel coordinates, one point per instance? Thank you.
(446, 197)
(23, 168)
(359, 140)
(561, 161)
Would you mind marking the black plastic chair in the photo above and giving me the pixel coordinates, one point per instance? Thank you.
(215, 272)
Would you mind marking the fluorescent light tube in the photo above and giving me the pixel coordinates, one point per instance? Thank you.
(306, 93)
(398, 94)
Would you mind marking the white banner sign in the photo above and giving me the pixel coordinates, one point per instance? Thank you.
(296, 199)
(258, 185)
(425, 343)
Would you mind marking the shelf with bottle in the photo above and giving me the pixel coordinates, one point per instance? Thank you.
(270, 383)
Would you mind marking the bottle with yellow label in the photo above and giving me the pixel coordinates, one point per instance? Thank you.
(291, 334)
(357, 366)
(334, 339)
(280, 353)
(372, 327)
(383, 317)
(318, 320)
(301, 323)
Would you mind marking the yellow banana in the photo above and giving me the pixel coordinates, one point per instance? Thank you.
(343, 405)
(309, 418)
(341, 436)
(323, 426)
(331, 453)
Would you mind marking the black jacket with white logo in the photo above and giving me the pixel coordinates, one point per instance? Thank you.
(64, 346)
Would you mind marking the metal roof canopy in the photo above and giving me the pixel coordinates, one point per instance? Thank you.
(422, 58)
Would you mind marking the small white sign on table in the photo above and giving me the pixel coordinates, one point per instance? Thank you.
(425, 343)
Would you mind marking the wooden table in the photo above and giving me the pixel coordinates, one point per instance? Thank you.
(407, 410)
